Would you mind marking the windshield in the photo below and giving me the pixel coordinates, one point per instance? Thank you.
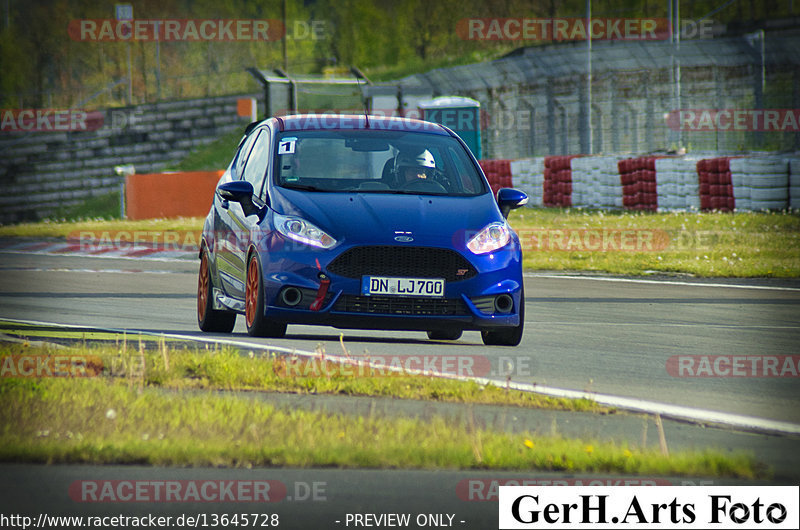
(376, 162)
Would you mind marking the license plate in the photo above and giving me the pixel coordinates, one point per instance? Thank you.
(381, 285)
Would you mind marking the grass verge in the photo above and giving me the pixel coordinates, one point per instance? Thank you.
(707, 244)
(107, 420)
(71, 229)
(158, 364)
(105, 206)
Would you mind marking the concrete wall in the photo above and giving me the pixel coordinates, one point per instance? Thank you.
(41, 171)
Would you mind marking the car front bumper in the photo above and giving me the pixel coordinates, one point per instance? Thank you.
(340, 303)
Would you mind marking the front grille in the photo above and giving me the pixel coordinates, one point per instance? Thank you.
(399, 305)
(404, 262)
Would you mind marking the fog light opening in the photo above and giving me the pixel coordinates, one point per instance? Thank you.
(504, 303)
(291, 296)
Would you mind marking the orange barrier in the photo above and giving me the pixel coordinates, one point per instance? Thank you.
(165, 195)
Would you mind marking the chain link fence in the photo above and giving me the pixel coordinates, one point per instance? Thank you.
(727, 94)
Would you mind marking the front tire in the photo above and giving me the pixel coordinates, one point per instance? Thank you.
(257, 324)
(507, 336)
(210, 319)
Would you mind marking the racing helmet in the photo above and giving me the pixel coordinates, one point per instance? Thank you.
(421, 162)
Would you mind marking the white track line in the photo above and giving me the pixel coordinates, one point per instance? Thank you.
(655, 325)
(658, 282)
(678, 412)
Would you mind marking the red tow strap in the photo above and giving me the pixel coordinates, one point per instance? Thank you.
(324, 283)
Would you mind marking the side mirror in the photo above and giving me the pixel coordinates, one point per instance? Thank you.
(239, 191)
(509, 199)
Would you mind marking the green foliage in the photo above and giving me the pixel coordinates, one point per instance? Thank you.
(44, 67)
(106, 206)
(216, 155)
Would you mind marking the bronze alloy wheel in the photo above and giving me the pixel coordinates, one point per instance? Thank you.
(208, 318)
(258, 325)
(202, 288)
(251, 292)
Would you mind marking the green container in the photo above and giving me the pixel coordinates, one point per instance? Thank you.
(462, 115)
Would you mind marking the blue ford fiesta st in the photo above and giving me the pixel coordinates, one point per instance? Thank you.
(360, 222)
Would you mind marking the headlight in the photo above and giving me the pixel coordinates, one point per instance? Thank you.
(301, 230)
(493, 236)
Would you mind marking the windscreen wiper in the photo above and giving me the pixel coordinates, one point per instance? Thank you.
(303, 187)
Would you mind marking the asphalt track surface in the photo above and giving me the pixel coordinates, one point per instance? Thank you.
(608, 335)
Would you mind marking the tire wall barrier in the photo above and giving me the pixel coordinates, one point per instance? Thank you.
(660, 183)
(794, 182)
(596, 182)
(528, 176)
(677, 183)
(638, 177)
(760, 183)
(557, 186)
(498, 172)
(170, 195)
(716, 185)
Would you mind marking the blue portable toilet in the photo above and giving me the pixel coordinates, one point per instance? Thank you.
(458, 113)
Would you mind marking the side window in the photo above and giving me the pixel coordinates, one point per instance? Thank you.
(256, 166)
(464, 182)
(241, 156)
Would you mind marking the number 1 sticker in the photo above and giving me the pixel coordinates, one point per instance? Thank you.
(286, 146)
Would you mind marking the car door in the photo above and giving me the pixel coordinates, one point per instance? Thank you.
(228, 226)
(253, 171)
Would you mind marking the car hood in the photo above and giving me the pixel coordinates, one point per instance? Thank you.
(376, 218)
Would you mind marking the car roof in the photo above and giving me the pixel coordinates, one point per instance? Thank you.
(309, 122)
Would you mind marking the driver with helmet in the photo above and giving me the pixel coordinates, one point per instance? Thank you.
(410, 167)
